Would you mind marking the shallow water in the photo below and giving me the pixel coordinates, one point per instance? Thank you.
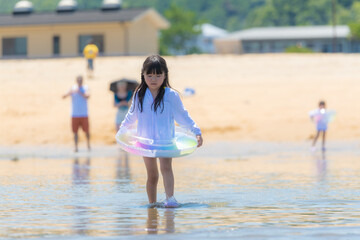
(254, 192)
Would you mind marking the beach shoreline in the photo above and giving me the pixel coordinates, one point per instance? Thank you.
(226, 149)
(263, 97)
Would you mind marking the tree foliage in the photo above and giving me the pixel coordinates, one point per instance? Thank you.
(179, 37)
(234, 15)
(355, 30)
(7, 6)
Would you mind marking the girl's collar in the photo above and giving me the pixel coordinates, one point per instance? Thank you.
(149, 94)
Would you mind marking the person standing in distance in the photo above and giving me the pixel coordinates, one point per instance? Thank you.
(90, 53)
(79, 110)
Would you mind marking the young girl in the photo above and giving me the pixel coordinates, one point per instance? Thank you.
(156, 107)
(321, 117)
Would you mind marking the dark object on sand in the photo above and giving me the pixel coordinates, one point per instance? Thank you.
(131, 84)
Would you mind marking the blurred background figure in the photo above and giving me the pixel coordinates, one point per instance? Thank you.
(122, 98)
(90, 53)
(79, 110)
(123, 90)
(321, 117)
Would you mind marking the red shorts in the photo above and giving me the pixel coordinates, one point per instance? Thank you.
(82, 122)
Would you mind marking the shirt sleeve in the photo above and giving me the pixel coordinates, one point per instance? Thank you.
(312, 113)
(116, 99)
(86, 90)
(131, 116)
(128, 98)
(182, 116)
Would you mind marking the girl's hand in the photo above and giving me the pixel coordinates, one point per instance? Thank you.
(199, 140)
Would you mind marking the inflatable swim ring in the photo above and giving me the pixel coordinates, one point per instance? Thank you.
(325, 116)
(184, 143)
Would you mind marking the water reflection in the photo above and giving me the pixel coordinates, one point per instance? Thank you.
(85, 198)
(321, 165)
(168, 223)
(169, 218)
(81, 171)
(152, 221)
(123, 174)
(80, 177)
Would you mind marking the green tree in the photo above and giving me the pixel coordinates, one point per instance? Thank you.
(178, 38)
(315, 13)
(298, 49)
(355, 30)
(233, 15)
(7, 6)
(290, 13)
(353, 19)
(263, 16)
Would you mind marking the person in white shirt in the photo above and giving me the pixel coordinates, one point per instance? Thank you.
(79, 110)
(155, 108)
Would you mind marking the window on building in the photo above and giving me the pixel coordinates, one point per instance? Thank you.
(246, 48)
(272, 47)
(279, 46)
(309, 45)
(97, 39)
(254, 47)
(14, 46)
(325, 48)
(261, 47)
(56, 45)
(339, 47)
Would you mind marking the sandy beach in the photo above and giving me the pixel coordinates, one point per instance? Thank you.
(243, 97)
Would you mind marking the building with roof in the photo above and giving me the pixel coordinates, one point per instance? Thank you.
(65, 32)
(277, 39)
(205, 40)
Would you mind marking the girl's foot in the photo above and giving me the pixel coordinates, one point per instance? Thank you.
(171, 203)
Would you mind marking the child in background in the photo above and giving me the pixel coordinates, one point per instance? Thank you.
(156, 107)
(321, 117)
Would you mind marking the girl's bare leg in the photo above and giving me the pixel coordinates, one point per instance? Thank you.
(152, 178)
(316, 137)
(323, 139)
(168, 176)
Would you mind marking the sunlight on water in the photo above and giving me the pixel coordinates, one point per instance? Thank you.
(276, 195)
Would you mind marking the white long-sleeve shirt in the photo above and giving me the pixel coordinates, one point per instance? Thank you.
(159, 125)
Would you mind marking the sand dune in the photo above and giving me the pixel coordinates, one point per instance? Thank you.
(248, 97)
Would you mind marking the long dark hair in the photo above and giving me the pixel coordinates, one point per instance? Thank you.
(156, 65)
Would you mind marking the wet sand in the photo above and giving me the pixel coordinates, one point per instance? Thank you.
(243, 98)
